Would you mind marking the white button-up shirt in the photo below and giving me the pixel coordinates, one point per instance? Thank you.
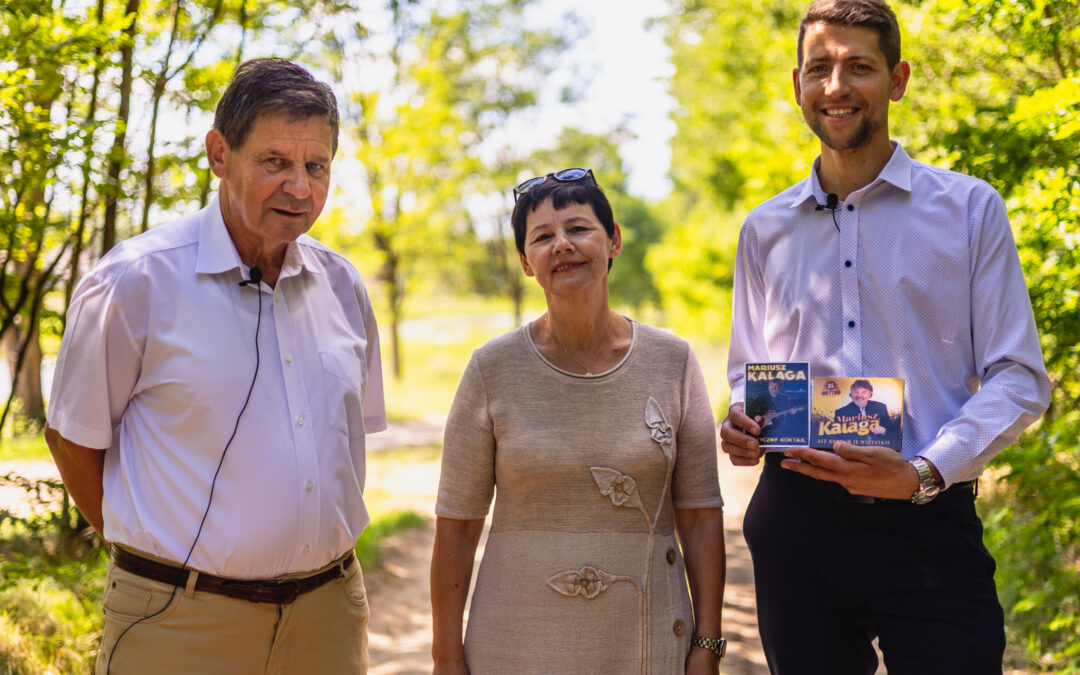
(917, 278)
(155, 365)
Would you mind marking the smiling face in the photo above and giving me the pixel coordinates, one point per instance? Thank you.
(860, 395)
(274, 185)
(567, 249)
(774, 388)
(844, 86)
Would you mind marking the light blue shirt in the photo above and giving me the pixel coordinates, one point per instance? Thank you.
(917, 278)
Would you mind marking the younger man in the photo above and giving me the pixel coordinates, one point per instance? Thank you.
(906, 270)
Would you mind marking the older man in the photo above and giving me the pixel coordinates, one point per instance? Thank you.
(214, 386)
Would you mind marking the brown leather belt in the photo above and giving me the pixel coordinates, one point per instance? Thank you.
(274, 591)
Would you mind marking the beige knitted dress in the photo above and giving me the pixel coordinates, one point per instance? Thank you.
(581, 572)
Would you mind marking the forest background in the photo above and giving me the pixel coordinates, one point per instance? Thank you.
(104, 104)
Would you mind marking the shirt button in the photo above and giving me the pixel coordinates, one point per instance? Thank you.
(277, 297)
(300, 421)
(847, 263)
(850, 207)
(850, 324)
(307, 549)
(288, 357)
(679, 628)
(309, 486)
(671, 556)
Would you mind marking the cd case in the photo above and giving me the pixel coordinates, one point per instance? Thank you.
(864, 411)
(778, 399)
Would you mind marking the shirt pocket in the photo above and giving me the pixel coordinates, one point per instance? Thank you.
(344, 377)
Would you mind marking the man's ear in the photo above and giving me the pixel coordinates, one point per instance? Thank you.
(216, 149)
(900, 76)
(798, 88)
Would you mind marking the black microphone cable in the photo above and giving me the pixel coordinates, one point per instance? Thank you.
(832, 202)
(255, 278)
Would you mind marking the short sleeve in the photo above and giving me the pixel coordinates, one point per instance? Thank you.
(467, 481)
(374, 404)
(695, 484)
(99, 362)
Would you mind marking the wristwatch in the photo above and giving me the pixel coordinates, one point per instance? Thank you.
(717, 646)
(928, 487)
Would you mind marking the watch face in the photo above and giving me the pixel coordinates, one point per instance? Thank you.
(924, 494)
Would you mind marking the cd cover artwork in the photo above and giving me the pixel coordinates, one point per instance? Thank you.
(864, 411)
(778, 399)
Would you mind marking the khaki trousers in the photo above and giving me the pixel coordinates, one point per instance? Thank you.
(324, 631)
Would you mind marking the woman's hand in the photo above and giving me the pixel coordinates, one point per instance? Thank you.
(451, 571)
(702, 662)
(453, 668)
(701, 534)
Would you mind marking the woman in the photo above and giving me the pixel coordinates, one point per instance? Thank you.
(598, 433)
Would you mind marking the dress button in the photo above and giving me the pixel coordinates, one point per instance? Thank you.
(288, 357)
(850, 324)
(300, 421)
(277, 297)
(850, 207)
(679, 628)
(307, 549)
(847, 263)
(309, 486)
(671, 556)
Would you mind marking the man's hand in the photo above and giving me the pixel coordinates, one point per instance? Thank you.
(737, 437)
(875, 472)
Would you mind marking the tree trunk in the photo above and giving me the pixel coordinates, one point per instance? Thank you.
(160, 81)
(25, 377)
(117, 156)
(85, 208)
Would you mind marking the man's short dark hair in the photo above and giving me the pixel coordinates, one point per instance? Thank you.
(274, 86)
(586, 192)
(863, 384)
(873, 14)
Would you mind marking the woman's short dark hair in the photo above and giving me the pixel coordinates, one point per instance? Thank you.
(873, 14)
(273, 86)
(562, 194)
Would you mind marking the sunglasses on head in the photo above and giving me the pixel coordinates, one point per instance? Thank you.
(564, 176)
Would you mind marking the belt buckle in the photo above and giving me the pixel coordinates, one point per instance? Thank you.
(293, 589)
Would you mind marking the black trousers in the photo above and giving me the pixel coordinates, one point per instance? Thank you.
(832, 574)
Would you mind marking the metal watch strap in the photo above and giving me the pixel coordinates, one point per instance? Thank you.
(717, 646)
(928, 487)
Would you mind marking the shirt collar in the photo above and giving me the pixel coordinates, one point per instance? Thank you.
(896, 172)
(218, 254)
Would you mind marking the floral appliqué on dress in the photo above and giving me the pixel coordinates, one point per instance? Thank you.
(588, 581)
(622, 490)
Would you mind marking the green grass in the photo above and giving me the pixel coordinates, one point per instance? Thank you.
(368, 548)
(31, 447)
(51, 594)
(435, 351)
